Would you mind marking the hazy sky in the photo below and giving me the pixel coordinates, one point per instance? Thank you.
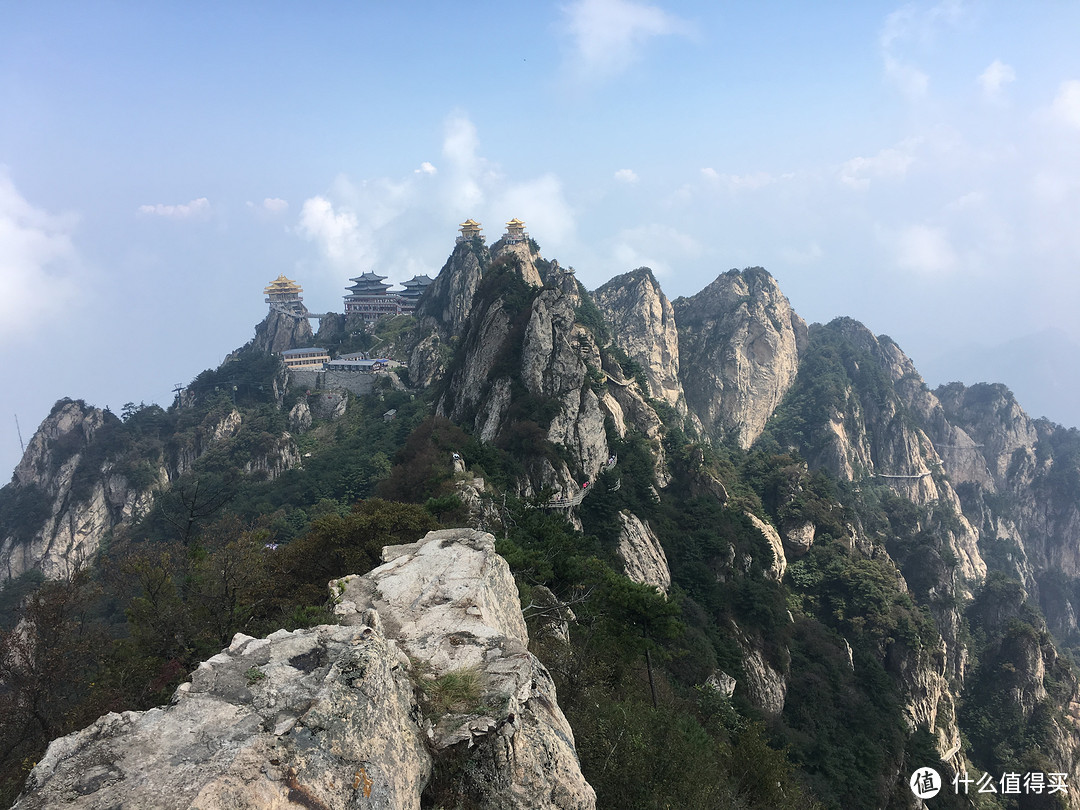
(914, 166)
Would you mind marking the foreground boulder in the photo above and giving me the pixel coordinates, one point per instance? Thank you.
(340, 717)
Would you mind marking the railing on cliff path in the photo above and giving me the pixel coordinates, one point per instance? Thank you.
(579, 496)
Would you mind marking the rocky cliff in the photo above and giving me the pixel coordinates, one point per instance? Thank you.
(358, 715)
(63, 499)
(739, 343)
(279, 331)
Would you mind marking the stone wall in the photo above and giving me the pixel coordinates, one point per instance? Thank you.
(356, 382)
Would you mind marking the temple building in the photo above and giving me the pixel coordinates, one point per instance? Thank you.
(515, 232)
(410, 296)
(469, 229)
(284, 293)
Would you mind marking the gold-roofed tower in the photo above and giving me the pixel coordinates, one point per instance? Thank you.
(470, 229)
(515, 232)
(284, 294)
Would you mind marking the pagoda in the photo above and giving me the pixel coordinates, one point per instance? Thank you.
(470, 229)
(369, 299)
(410, 296)
(515, 232)
(284, 294)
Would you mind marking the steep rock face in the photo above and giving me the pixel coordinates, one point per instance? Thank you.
(74, 506)
(526, 260)
(873, 425)
(642, 322)
(450, 601)
(278, 332)
(644, 560)
(739, 342)
(328, 717)
(1020, 476)
(449, 298)
(779, 563)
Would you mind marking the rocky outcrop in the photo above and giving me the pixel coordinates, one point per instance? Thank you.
(278, 332)
(321, 718)
(450, 601)
(336, 716)
(779, 562)
(526, 260)
(642, 322)
(739, 344)
(643, 557)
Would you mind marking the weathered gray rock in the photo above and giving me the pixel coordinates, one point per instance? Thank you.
(644, 560)
(278, 332)
(739, 343)
(799, 537)
(722, 683)
(320, 718)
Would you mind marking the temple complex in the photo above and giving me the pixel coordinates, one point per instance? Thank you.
(371, 298)
(469, 230)
(284, 294)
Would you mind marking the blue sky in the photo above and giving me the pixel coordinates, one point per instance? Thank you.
(915, 166)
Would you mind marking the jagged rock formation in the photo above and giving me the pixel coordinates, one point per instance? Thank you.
(642, 322)
(328, 718)
(524, 344)
(739, 345)
(450, 601)
(278, 332)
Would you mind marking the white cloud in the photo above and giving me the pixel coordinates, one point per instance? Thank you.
(751, 181)
(655, 245)
(38, 263)
(275, 205)
(914, 25)
(425, 168)
(994, 78)
(628, 176)
(608, 35)
(810, 254)
(190, 210)
(923, 249)
(541, 204)
(1066, 107)
(892, 162)
(467, 169)
(335, 230)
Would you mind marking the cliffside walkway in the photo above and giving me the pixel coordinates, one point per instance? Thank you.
(300, 317)
(902, 477)
(579, 496)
